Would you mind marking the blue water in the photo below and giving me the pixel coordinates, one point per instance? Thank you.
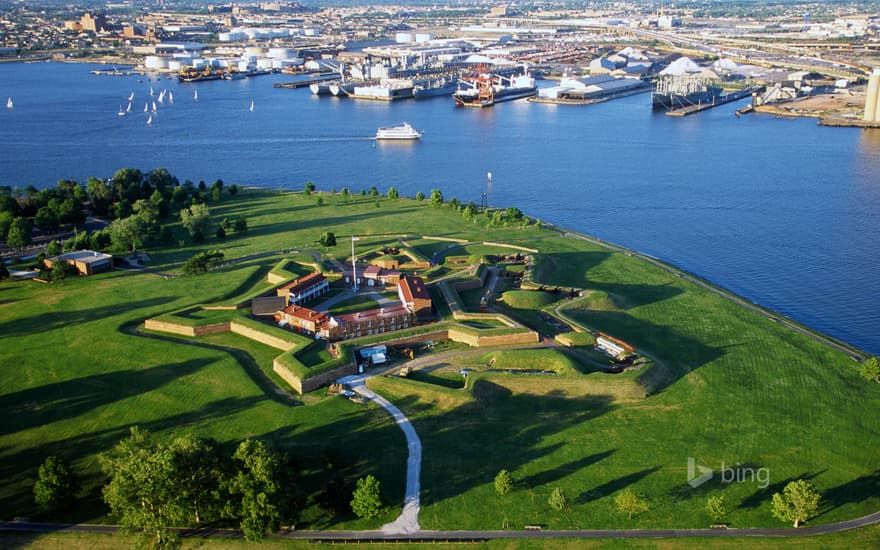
(783, 212)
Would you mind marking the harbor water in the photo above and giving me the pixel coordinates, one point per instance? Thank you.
(782, 212)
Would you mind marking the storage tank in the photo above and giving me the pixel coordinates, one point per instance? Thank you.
(282, 53)
(403, 37)
(424, 37)
(175, 65)
(156, 62)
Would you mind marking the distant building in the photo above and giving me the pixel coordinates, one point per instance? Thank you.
(93, 23)
(87, 262)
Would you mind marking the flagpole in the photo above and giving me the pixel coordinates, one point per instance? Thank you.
(354, 277)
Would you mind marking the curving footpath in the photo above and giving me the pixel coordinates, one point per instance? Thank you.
(408, 521)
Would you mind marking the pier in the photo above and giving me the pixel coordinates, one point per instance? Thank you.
(726, 98)
(306, 82)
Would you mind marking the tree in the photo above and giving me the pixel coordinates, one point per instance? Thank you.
(436, 197)
(309, 187)
(179, 195)
(46, 218)
(392, 193)
(455, 204)
(558, 500)
(716, 507)
(127, 233)
(631, 502)
(4, 272)
(142, 491)
(221, 233)
(241, 224)
(233, 189)
(373, 191)
(328, 239)
(870, 369)
(366, 501)
(503, 482)
(255, 488)
(19, 233)
(201, 262)
(148, 213)
(62, 270)
(200, 474)
(420, 196)
(798, 502)
(53, 249)
(157, 199)
(56, 485)
(6, 218)
(512, 214)
(195, 218)
(319, 201)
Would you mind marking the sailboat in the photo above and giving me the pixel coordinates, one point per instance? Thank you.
(151, 91)
(252, 106)
(161, 97)
(131, 97)
(196, 95)
(146, 107)
(121, 111)
(170, 97)
(128, 107)
(150, 120)
(154, 106)
(9, 103)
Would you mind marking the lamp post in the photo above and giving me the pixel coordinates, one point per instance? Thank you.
(354, 277)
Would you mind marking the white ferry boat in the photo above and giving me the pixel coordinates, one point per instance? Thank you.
(403, 131)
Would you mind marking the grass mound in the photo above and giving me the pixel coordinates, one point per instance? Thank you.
(528, 299)
(531, 359)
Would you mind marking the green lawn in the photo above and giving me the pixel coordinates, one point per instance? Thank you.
(726, 386)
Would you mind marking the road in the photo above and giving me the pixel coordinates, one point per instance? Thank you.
(408, 520)
(431, 535)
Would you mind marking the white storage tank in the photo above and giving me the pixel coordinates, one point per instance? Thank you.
(156, 62)
(200, 63)
(175, 65)
(282, 53)
(403, 37)
(244, 66)
(424, 37)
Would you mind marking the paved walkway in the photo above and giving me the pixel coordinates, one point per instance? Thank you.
(408, 521)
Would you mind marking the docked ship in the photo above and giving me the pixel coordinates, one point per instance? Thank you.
(676, 91)
(433, 87)
(401, 132)
(198, 75)
(390, 89)
(485, 90)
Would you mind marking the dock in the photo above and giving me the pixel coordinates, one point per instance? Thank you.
(293, 84)
(726, 98)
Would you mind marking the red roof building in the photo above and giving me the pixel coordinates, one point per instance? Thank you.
(305, 288)
(414, 295)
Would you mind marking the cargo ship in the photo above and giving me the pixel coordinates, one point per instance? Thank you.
(485, 90)
(673, 92)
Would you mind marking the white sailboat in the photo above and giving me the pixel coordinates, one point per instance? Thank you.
(252, 106)
(131, 97)
(121, 111)
(170, 97)
(161, 97)
(150, 120)
(154, 107)
(9, 103)
(151, 91)
(196, 95)
(146, 107)
(128, 107)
